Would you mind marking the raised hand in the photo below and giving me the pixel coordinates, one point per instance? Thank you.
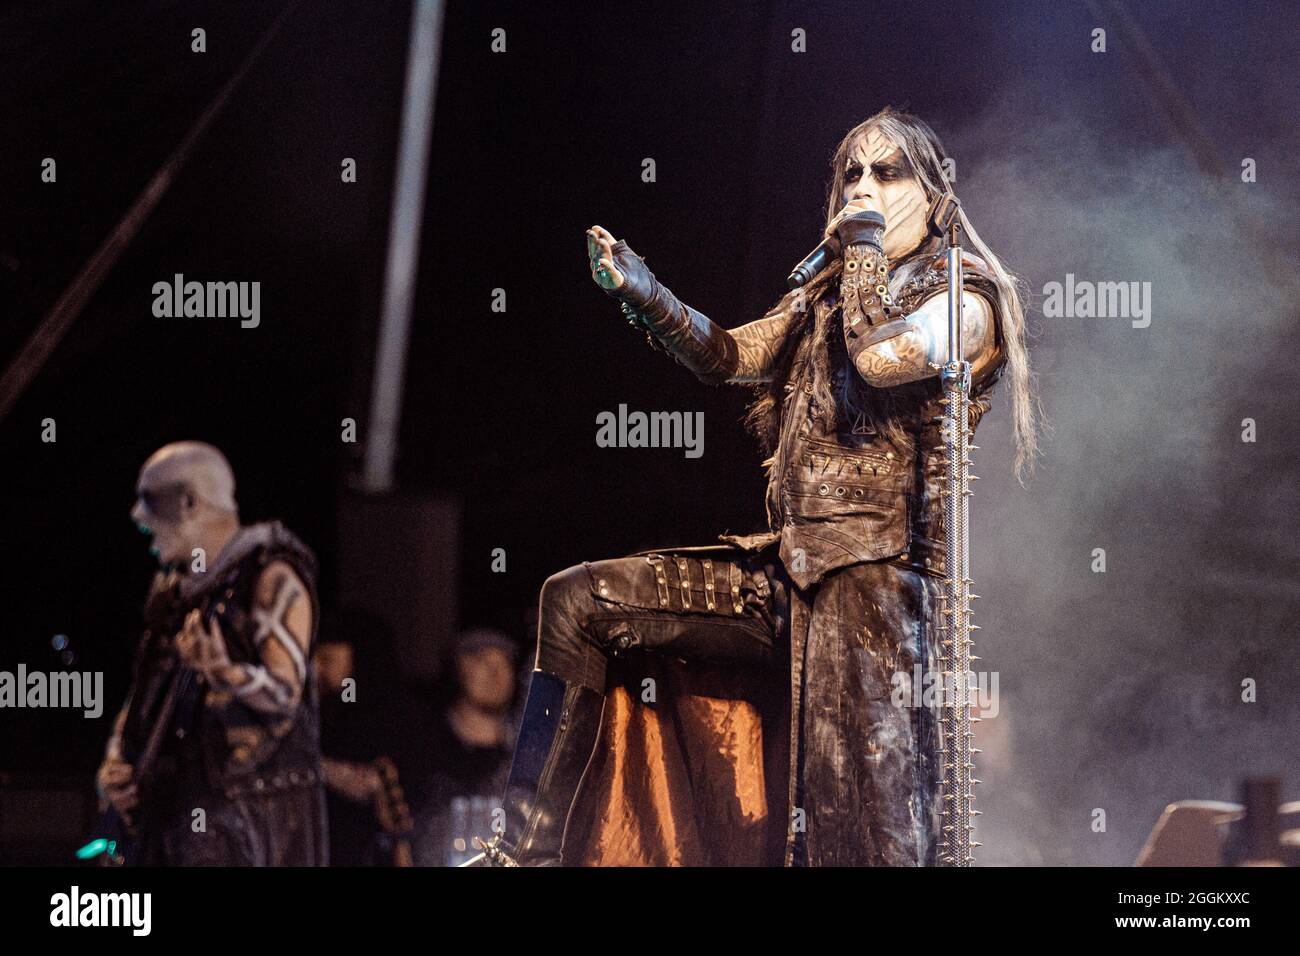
(600, 256)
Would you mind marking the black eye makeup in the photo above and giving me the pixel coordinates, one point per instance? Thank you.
(163, 502)
(887, 171)
(890, 169)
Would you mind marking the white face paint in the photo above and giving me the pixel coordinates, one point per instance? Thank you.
(878, 171)
(177, 489)
(165, 512)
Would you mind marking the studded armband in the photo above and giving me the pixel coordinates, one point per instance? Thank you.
(641, 323)
(870, 315)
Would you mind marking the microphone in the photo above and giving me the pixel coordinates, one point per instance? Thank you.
(863, 227)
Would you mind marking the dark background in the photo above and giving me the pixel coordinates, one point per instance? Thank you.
(1121, 689)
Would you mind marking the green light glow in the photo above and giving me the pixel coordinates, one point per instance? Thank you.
(94, 848)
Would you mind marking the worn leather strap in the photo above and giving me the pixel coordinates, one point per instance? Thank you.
(886, 330)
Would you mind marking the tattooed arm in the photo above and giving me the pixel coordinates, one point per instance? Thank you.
(282, 613)
(922, 338)
(757, 345)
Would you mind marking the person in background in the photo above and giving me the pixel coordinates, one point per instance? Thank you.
(466, 754)
(364, 709)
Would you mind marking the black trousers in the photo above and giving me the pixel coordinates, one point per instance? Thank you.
(695, 603)
(864, 790)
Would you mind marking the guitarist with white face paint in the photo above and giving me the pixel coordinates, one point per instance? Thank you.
(223, 705)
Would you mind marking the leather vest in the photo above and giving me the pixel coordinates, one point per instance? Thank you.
(842, 495)
(219, 744)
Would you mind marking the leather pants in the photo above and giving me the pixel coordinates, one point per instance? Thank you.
(696, 603)
(866, 770)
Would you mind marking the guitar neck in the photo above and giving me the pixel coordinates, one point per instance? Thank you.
(182, 682)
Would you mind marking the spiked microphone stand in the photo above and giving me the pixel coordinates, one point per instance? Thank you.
(956, 752)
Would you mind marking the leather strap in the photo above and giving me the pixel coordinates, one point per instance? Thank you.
(656, 561)
(710, 596)
(886, 330)
(684, 580)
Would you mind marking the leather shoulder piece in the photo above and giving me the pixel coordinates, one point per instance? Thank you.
(978, 277)
(254, 544)
(281, 544)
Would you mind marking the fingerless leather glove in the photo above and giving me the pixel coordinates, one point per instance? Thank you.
(689, 336)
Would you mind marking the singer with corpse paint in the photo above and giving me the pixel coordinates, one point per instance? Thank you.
(840, 592)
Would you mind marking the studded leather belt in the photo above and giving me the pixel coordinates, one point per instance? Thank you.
(271, 783)
(925, 555)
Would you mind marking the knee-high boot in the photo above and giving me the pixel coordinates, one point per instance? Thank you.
(560, 729)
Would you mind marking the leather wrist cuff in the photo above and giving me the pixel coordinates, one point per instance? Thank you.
(658, 307)
(688, 335)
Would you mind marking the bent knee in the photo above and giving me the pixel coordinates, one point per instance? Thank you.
(564, 642)
(565, 607)
(565, 589)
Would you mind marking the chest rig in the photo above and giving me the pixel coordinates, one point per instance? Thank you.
(847, 493)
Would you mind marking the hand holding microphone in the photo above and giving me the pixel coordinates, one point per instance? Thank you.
(854, 210)
(860, 221)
